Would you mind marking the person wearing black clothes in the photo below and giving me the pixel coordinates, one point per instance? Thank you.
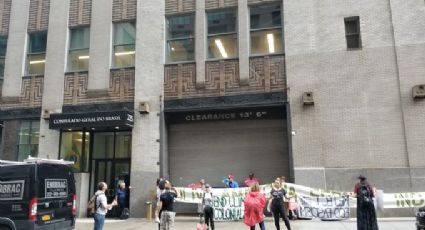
(166, 205)
(160, 189)
(207, 204)
(366, 215)
(277, 205)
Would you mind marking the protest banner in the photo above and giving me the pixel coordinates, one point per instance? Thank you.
(312, 202)
(228, 208)
(325, 208)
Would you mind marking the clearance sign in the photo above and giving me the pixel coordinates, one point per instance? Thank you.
(310, 202)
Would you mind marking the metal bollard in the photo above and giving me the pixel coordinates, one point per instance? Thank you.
(149, 211)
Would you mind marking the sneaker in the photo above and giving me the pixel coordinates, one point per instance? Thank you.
(157, 220)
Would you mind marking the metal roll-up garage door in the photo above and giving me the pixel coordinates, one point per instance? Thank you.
(211, 150)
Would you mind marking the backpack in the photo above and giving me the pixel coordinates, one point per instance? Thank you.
(125, 214)
(91, 206)
(365, 196)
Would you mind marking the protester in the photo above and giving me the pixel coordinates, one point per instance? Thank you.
(121, 197)
(254, 204)
(251, 180)
(160, 189)
(199, 185)
(231, 183)
(166, 205)
(278, 195)
(366, 215)
(207, 203)
(102, 206)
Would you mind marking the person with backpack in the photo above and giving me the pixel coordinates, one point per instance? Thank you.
(101, 206)
(207, 204)
(366, 215)
(160, 189)
(166, 205)
(278, 195)
(254, 204)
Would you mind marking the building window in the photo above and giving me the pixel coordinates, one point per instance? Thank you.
(266, 29)
(3, 48)
(180, 38)
(124, 44)
(75, 147)
(352, 33)
(28, 139)
(78, 56)
(222, 35)
(36, 53)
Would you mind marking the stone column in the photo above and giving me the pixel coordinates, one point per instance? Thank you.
(243, 30)
(149, 88)
(200, 43)
(16, 50)
(54, 75)
(100, 47)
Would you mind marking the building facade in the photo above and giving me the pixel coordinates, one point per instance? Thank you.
(132, 90)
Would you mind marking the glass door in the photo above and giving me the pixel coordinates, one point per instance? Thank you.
(111, 159)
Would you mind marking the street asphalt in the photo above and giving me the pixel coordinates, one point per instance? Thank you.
(184, 223)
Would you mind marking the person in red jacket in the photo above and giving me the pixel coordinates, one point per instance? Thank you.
(254, 204)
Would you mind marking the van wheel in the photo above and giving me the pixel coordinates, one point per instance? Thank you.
(5, 227)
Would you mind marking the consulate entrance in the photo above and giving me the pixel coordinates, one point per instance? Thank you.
(99, 144)
(111, 160)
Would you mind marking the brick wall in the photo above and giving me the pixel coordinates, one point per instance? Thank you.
(409, 23)
(31, 94)
(267, 74)
(124, 10)
(179, 6)
(356, 121)
(38, 15)
(79, 12)
(9, 147)
(121, 88)
(5, 7)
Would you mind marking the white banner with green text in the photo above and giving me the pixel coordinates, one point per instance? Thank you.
(310, 202)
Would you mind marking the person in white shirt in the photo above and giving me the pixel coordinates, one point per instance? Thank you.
(102, 206)
(207, 203)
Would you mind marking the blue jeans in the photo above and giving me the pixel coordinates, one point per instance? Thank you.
(99, 221)
(262, 226)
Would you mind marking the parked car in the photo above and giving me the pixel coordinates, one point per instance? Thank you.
(37, 194)
(420, 219)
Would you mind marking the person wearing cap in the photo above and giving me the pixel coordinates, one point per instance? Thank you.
(366, 215)
(251, 180)
(207, 204)
(231, 183)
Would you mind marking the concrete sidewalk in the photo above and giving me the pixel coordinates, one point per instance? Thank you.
(184, 223)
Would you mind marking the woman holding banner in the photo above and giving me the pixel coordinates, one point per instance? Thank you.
(254, 204)
(366, 215)
(278, 194)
